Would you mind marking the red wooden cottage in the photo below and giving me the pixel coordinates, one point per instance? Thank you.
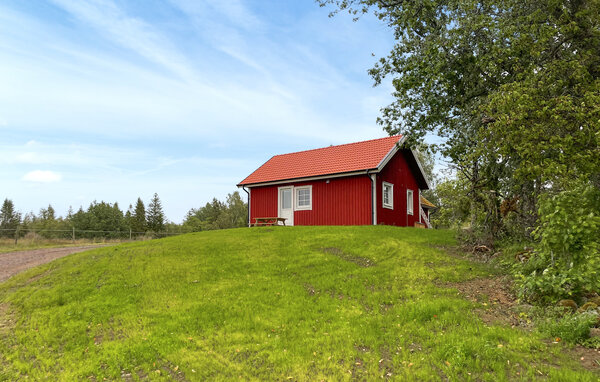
(362, 183)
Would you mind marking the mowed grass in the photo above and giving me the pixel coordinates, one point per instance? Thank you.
(283, 303)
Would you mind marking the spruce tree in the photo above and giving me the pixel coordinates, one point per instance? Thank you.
(155, 217)
(138, 222)
(9, 218)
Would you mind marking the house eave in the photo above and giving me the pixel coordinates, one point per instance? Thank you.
(310, 178)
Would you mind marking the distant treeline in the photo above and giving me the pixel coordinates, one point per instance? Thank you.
(102, 219)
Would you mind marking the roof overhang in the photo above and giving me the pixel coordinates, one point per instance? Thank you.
(309, 178)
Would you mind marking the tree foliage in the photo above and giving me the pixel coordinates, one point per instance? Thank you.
(566, 261)
(138, 219)
(218, 215)
(511, 86)
(9, 218)
(155, 217)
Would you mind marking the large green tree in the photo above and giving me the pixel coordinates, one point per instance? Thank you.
(9, 218)
(138, 221)
(512, 87)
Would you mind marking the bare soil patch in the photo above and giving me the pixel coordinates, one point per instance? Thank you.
(12, 263)
(589, 358)
(496, 296)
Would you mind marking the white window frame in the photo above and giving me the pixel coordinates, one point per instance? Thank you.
(297, 198)
(410, 202)
(390, 203)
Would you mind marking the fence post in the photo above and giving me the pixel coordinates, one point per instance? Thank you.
(16, 235)
(73, 237)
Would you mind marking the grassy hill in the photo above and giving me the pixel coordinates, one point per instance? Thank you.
(301, 303)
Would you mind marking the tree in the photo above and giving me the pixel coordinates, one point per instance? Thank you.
(47, 214)
(218, 215)
(237, 210)
(9, 218)
(128, 218)
(139, 217)
(511, 86)
(155, 218)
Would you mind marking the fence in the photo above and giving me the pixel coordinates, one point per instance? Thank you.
(76, 234)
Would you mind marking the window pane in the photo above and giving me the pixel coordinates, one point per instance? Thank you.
(388, 195)
(303, 197)
(286, 199)
(409, 201)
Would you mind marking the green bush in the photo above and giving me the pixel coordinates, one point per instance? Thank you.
(571, 328)
(566, 260)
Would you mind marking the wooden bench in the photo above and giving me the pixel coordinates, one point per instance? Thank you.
(260, 222)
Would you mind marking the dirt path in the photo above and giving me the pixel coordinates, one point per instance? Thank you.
(12, 263)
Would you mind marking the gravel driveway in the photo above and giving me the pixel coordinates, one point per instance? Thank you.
(12, 263)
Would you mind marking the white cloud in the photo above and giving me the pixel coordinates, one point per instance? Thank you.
(41, 176)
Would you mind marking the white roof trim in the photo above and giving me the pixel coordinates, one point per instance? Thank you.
(390, 154)
(421, 168)
(297, 180)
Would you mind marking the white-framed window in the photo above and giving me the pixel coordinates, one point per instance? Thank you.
(387, 196)
(304, 198)
(410, 207)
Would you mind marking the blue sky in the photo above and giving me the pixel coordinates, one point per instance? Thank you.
(111, 100)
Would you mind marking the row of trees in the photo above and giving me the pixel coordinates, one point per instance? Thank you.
(102, 219)
(513, 89)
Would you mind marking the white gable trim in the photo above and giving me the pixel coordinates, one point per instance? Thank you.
(421, 168)
(390, 154)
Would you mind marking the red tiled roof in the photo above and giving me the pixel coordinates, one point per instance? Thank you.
(328, 160)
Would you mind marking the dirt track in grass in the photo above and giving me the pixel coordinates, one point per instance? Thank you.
(12, 263)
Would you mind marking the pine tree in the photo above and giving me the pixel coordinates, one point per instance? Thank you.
(138, 221)
(9, 218)
(128, 219)
(155, 217)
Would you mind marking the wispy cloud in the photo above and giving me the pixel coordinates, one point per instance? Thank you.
(42, 176)
(131, 33)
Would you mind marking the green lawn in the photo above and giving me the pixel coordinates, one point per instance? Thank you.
(285, 303)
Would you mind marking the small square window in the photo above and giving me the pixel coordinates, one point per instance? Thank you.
(304, 198)
(388, 195)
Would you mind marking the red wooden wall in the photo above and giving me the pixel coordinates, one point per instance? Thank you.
(399, 174)
(342, 201)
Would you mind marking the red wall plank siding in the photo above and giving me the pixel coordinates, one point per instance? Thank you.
(342, 201)
(397, 173)
(263, 202)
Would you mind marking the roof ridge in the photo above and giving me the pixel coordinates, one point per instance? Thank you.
(343, 144)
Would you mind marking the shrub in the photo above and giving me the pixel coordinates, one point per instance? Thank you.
(566, 260)
(571, 328)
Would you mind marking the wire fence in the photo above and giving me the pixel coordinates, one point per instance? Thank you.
(74, 234)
